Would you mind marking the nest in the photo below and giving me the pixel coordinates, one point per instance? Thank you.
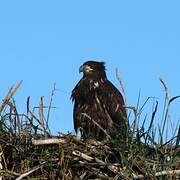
(29, 151)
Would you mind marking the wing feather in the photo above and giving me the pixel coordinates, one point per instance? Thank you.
(113, 100)
(97, 108)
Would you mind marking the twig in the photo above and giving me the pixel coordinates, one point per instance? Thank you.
(82, 155)
(1, 166)
(167, 172)
(10, 93)
(49, 141)
(97, 124)
(50, 104)
(157, 174)
(31, 171)
(34, 117)
(8, 173)
(137, 176)
(41, 112)
(2, 159)
(114, 168)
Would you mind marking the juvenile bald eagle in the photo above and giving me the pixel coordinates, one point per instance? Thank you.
(99, 110)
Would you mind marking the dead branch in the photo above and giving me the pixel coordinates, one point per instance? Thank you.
(162, 173)
(166, 172)
(41, 111)
(48, 141)
(9, 95)
(31, 171)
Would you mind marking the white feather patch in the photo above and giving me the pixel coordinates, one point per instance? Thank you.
(96, 84)
(117, 107)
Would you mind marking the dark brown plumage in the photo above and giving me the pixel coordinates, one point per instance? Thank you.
(98, 106)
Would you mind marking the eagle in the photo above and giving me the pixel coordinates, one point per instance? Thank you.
(99, 109)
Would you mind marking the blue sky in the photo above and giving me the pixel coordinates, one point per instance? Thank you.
(42, 42)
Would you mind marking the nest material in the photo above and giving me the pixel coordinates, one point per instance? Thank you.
(29, 151)
(66, 157)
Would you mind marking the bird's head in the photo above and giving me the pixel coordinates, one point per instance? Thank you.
(93, 68)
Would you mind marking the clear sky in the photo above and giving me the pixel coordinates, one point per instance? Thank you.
(42, 42)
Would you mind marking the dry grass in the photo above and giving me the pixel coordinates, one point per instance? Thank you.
(28, 150)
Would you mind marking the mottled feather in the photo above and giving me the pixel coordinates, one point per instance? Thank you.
(99, 110)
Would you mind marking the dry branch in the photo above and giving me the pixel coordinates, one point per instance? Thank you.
(31, 171)
(9, 95)
(166, 172)
(161, 173)
(49, 141)
(41, 111)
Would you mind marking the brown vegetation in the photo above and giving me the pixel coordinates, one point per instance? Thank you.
(29, 151)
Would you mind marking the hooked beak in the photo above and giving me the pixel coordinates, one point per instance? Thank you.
(82, 69)
(85, 69)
